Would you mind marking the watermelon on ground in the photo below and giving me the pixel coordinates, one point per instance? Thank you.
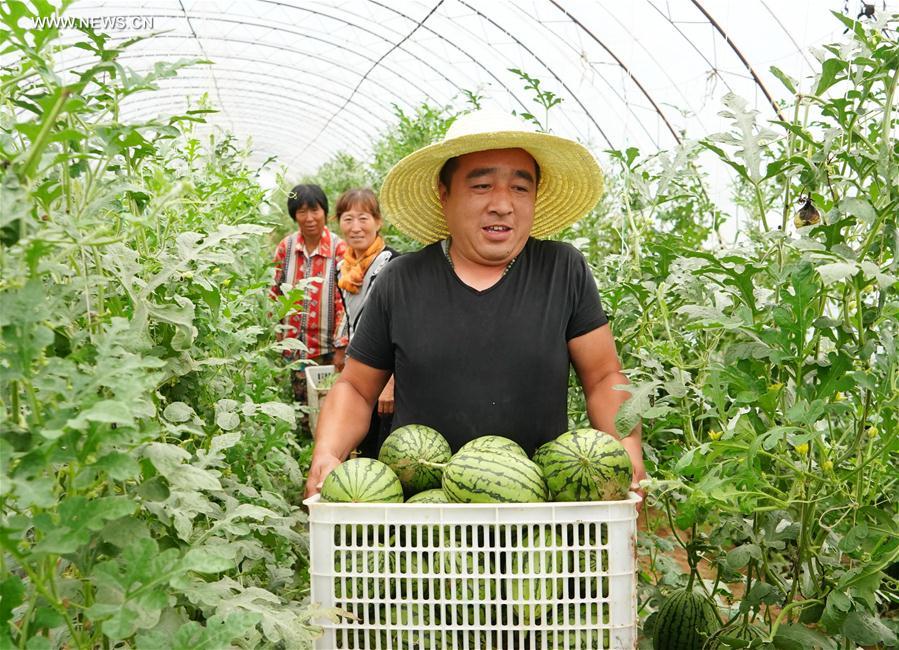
(685, 621)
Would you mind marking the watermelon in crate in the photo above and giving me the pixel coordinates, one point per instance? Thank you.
(362, 480)
(491, 476)
(415, 453)
(494, 576)
(586, 465)
(493, 443)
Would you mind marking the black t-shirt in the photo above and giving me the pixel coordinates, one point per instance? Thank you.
(471, 363)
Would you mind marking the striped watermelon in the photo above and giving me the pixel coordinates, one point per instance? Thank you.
(586, 465)
(528, 569)
(587, 627)
(736, 634)
(498, 443)
(435, 495)
(362, 480)
(685, 621)
(411, 452)
(539, 455)
(465, 578)
(411, 627)
(491, 476)
(349, 568)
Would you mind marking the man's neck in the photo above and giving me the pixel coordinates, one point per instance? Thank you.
(478, 276)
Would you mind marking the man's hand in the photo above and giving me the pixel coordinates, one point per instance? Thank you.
(385, 400)
(639, 475)
(321, 466)
(339, 359)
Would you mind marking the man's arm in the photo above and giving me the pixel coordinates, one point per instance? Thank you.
(344, 420)
(599, 370)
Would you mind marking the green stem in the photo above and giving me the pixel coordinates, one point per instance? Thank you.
(796, 604)
(761, 205)
(40, 142)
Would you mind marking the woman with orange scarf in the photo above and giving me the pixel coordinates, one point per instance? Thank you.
(359, 217)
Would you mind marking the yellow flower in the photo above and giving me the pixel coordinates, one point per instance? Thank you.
(775, 386)
(714, 435)
(827, 465)
(838, 397)
(802, 448)
(872, 432)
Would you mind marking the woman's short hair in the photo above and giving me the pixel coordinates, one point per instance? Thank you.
(306, 196)
(361, 197)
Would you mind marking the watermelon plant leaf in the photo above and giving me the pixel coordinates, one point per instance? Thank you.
(217, 634)
(799, 637)
(830, 71)
(631, 411)
(784, 78)
(867, 630)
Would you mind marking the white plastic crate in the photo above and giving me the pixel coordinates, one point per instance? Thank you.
(315, 395)
(548, 576)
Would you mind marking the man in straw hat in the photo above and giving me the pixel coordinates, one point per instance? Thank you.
(480, 326)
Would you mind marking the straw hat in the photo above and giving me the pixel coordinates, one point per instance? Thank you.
(571, 182)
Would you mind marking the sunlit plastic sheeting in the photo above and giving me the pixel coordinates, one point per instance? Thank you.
(306, 80)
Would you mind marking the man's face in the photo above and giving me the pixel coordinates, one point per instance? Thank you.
(489, 206)
(311, 220)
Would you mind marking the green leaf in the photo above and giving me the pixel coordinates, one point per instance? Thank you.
(739, 556)
(132, 589)
(154, 489)
(860, 209)
(209, 559)
(865, 629)
(829, 71)
(217, 634)
(38, 643)
(12, 592)
(631, 411)
(79, 517)
(785, 79)
(708, 317)
(178, 412)
(794, 635)
(279, 410)
(118, 466)
(105, 411)
(227, 420)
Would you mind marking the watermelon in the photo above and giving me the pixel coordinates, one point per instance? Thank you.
(498, 443)
(414, 452)
(736, 634)
(490, 476)
(350, 569)
(685, 621)
(586, 465)
(465, 577)
(587, 627)
(539, 455)
(527, 570)
(435, 495)
(410, 627)
(362, 480)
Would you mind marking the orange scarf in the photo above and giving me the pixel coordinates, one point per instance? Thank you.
(353, 271)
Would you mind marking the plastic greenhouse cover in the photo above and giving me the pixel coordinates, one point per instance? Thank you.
(307, 79)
